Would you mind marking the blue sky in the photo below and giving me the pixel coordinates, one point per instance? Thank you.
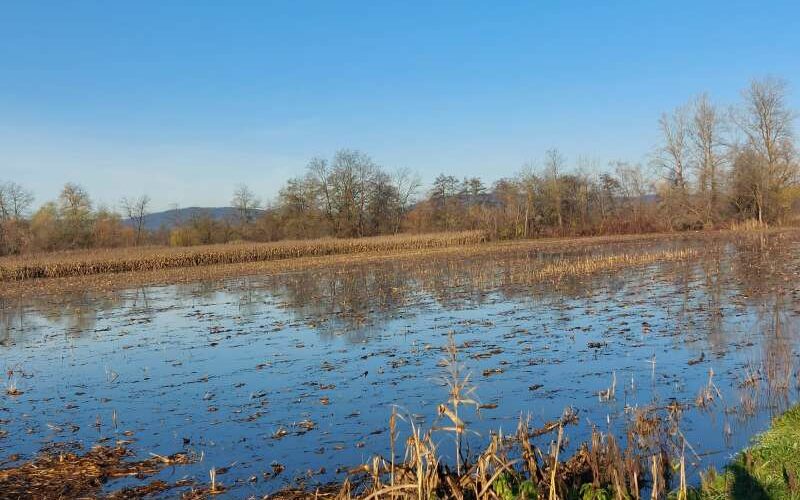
(184, 100)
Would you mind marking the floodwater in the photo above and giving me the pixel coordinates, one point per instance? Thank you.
(294, 376)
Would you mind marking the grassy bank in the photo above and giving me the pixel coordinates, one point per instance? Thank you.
(770, 469)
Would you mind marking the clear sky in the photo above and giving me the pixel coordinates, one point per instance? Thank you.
(184, 100)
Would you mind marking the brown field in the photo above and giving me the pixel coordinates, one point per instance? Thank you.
(87, 263)
(111, 269)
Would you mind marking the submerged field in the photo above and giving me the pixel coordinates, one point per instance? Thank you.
(290, 380)
(116, 269)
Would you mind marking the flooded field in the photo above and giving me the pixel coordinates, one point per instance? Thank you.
(271, 380)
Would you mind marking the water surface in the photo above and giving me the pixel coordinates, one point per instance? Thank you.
(297, 373)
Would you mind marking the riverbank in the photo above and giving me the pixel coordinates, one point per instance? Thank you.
(769, 470)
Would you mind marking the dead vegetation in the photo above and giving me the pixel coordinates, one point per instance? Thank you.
(104, 270)
(67, 474)
(526, 464)
(594, 264)
(87, 263)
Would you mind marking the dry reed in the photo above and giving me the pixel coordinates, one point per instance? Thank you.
(514, 466)
(558, 270)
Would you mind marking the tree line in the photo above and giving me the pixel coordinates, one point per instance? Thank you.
(712, 167)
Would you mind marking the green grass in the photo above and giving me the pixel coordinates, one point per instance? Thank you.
(770, 469)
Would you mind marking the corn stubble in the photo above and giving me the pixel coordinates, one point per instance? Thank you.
(87, 263)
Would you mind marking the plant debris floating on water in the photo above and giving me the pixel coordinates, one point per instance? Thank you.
(69, 475)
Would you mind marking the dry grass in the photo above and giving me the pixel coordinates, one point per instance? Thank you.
(748, 225)
(87, 263)
(594, 264)
(68, 475)
(514, 466)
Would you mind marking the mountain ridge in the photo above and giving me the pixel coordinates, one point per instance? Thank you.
(168, 219)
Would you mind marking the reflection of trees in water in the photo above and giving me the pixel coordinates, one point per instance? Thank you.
(712, 281)
(769, 379)
(250, 300)
(74, 313)
(200, 291)
(779, 332)
(744, 271)
(355, 297)
(139, 300)
(758, 270)
(760, 263)
(13, 321)
(138, 303)
(362, 295)
(343, 298)
(78, 313)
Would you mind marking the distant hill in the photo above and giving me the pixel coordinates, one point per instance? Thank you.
(170, 218)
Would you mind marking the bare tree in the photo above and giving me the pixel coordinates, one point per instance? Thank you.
(348, 196)
(634, 185)
(246, 202)
(767, 122)
(352, 176)
(15, 201)
(174, 217)
(553, 164)
(529, 183)
(707, 152)
(406, 184)
(672, 155)
(319, 178)
(367, 175)
(298, 209)
(446, 206)
(75, 209)
(5, 203)
(136, 209)
(74, 201)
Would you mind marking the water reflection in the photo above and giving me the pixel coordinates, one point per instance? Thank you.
(225, 366)
(353, 296)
